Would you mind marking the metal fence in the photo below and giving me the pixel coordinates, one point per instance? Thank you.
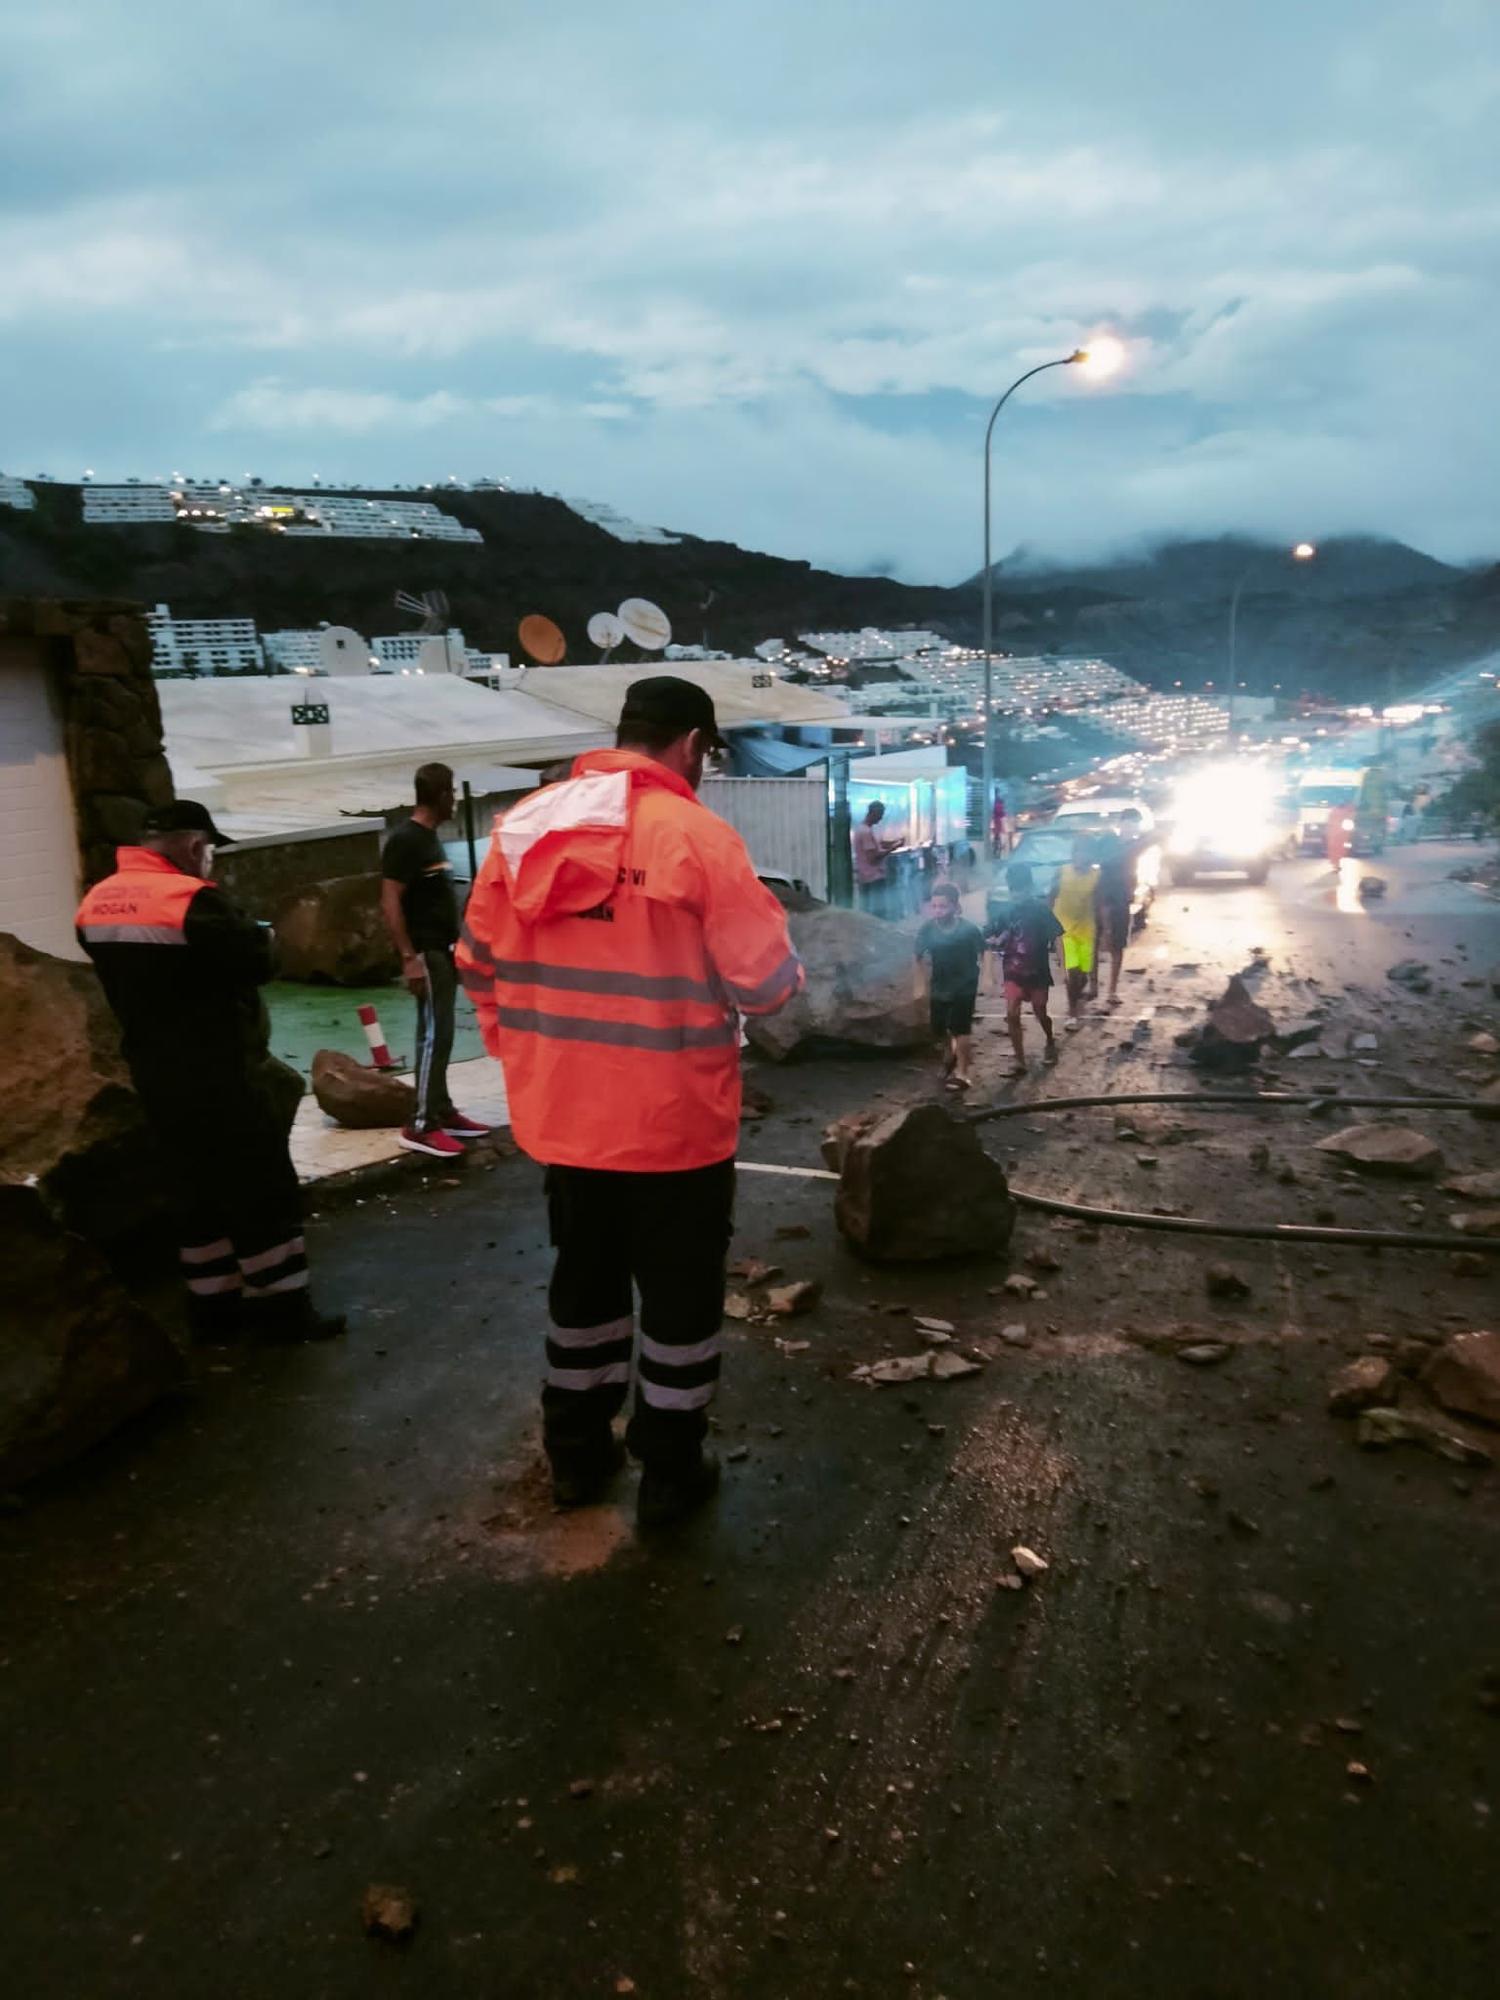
(784, 822)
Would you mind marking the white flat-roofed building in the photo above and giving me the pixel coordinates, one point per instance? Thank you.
(203, 645)
(129, 506)
(15, 493)
(352, 514)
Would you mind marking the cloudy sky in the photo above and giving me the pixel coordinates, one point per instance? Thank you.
(757, 270)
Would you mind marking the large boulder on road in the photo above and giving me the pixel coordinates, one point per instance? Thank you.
(1385, 1149)
(78, 1355)
(359, 1097)
(862, 988)
(1464, 1375)
(333, 933)
(916, 1185)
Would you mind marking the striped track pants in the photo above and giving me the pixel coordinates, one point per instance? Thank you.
(665, 1235)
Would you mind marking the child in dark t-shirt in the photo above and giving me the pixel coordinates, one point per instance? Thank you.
(1023, 932)
(954, 950)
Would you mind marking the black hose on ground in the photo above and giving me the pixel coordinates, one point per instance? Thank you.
(1258, 1232)
(1480, 1107)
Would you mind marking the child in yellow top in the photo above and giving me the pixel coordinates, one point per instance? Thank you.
(1075, 905)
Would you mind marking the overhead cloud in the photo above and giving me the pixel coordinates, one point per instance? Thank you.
(761, 272)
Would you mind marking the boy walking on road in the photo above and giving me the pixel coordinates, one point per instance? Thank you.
(421, 914)
(1023, 934)
(954, 950)
(1075, 905)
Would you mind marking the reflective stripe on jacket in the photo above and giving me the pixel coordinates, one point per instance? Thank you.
(615, 933)
(180, 966)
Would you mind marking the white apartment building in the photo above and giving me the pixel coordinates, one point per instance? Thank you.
(15, 493)
(115, 506)
(293, 652)
(203, 645)
(214, 507)
(404, 649)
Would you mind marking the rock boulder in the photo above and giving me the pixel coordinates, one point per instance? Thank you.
(1360, 1384)
(359, 1097)
(1234, 1032)
(1385, 1149)
(1464, 1375)
(333, 933)
(72, 1122)
(916, 1185)
(78, 1355)
(862, 989)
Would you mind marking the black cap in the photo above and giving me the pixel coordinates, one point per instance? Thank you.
(665, 701)
(184, 816)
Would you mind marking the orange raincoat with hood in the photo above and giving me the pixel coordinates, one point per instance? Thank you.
(615, 934)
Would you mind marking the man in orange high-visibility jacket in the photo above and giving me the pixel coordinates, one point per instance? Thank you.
(182, 968)
(615, 934)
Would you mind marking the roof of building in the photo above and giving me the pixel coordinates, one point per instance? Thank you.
(598, 691)
(222, 724)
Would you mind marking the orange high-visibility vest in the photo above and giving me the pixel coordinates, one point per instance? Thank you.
(616, 932)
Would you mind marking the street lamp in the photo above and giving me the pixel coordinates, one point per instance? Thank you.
(1100, 359)
(1301, 552)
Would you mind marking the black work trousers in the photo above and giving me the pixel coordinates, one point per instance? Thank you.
(233, 1191)
(435, 1011)
(667, 1235)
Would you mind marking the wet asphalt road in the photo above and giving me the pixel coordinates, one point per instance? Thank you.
(315, 1627)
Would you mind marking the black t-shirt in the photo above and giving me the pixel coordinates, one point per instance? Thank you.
(955, 953)
(414, 857)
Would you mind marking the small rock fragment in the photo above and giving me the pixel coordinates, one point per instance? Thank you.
(1360, 1386)
(1028, 1562)
(1464, 1375)
(1476, 1222)
(1223, 1281)
(388, 1912)
(1385, 1149)
(786, 1301)
(1019, 1285)
(754, 1272)
(1380, 1428)
(1204, 1353)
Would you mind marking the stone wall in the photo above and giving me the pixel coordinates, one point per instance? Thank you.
(99, 657)
(261, 874)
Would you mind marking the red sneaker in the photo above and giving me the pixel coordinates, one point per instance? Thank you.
(438, 1144)
(458, 1125)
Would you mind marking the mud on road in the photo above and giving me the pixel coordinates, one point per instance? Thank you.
(315, 1628)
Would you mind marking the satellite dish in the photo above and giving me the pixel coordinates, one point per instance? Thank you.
(542, 639)
(606, 631)
(342, 651)
(646, 623)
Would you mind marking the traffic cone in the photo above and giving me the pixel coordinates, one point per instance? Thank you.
(380, 1055)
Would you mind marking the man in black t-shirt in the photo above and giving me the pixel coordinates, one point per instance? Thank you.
(953, 949)
(421, 913)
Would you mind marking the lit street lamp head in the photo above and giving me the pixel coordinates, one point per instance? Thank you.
(1104, 356)
(1304, 552)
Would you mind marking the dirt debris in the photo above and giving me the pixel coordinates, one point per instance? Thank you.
(388, 1912)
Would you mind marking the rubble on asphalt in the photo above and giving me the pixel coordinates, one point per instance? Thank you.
(1411, 973)
(358, 1097)
(1394, 1150)
(938, 1364)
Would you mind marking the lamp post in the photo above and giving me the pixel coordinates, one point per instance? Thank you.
(1103, 357)
(1302, 552)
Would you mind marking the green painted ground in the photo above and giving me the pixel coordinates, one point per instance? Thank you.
(305, 1019)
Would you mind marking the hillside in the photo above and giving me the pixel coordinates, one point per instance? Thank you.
(1365, 616)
